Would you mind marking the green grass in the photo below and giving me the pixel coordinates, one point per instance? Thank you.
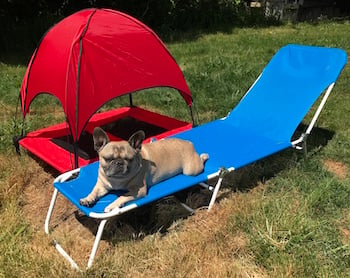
(284, 216)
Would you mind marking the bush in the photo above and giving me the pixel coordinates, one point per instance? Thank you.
(24, 22)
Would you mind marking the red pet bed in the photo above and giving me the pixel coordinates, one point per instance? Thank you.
(54, 146)
(86, 60)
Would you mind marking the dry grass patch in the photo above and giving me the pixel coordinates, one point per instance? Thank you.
(14, 176)
(6, 111)
(73, 230)
(345, 227)
(25, 194)
(337, 168)
(202, 246)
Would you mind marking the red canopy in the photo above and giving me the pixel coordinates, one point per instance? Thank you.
(94, 56)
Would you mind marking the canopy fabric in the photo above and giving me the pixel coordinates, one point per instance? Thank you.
(94, 56)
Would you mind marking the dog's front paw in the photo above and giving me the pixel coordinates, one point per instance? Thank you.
(107, 209)
(86, 202)
(110, 208)
(113, 206)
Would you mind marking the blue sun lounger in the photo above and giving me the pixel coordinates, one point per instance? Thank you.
(262, 124)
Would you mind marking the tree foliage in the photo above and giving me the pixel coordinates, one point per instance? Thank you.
(24, 22)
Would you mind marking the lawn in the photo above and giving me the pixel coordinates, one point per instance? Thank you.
(284, 216)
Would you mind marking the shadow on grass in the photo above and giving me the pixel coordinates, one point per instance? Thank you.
(259, 172)
(158, 217)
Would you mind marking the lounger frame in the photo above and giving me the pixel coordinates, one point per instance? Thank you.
(299, 144)
(263, 123)
(104, 217)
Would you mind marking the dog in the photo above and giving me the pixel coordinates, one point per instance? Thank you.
(133, 167)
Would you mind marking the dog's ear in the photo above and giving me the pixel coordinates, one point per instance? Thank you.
(100, 139)
(136, 140)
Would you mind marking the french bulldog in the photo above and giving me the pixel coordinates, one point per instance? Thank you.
(133, 166)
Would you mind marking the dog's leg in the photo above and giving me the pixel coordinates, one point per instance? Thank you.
(195, 165)
(119, 202)
(93, 197)
(131, 195)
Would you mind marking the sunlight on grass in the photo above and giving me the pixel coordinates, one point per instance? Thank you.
(284, 216)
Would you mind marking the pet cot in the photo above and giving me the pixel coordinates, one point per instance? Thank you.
(262, 124)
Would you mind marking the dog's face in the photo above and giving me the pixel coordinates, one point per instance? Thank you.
(118, 159)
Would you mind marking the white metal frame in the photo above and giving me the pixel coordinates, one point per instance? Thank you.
(104, 217)
(302, 139)
(118, 211)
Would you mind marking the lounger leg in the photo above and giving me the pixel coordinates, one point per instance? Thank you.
(302, 140)
(185, 206)
(305, 146)
(65, 255)
(206, 186)
(97, 242)
(215, 193)
(58, 246)
(304, 136)
(47, 231)
(217, 187)
(49, 212)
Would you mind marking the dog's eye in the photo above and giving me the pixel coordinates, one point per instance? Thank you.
(128, 159)
(108, 159)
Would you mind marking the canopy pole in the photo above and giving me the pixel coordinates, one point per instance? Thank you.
(75, 144)
(17, 138)
(130, 100)
(75, 148)
(192, 117)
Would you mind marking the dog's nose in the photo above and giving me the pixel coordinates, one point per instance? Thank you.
(118, 163)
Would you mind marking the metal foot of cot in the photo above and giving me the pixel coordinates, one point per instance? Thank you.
(302, 140)
(215, 189)
(60, 249)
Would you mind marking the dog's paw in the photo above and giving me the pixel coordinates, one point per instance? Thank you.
(86, 202)
(107, 209)
(110, 208)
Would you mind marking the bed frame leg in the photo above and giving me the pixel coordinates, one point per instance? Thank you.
(96, 242)
(49, 212)
(304, 136)
(305, 146)
(186, 207)
(65, 255)
(215, 193)
(59, 247)
(222, 173)
(303, 142)
(47, 231)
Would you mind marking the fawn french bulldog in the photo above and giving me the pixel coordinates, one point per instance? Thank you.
(133, 167)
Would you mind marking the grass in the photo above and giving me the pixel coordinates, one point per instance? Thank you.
(284, 216)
